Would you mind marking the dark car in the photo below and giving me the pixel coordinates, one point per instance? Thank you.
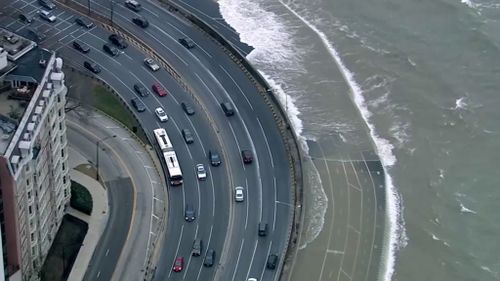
(80, 46)
(209, 258)
(187, 108)
(227, 108)
(262, 229)
(138, 105)
(247, 156)
(118, 41)
(189, 213)
(214, 158)
(26, 18)
(186, 42)
(47, 4)
(272, 260)
(133, 5)
(141, 90)
(92, 66)
(84, 22)
(110, 50)
(197, 247)
(36, 35)
(187, 135)
(141, 21)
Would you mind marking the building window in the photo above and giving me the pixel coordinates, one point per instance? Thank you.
(63, 166)
(28, 182)
(29, 195)
(30, 210)
(59, 113)
(60, 126)
(59, 99)
(62, 153)
(65, 192)
(64, 179)
(32, 237)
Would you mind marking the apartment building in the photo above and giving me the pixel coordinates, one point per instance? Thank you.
(34, 181)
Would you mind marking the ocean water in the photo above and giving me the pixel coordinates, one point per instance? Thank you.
(424, 78)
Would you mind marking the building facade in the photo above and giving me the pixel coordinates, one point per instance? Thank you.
(34, 181)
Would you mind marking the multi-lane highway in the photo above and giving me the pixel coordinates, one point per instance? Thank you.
(228, 227)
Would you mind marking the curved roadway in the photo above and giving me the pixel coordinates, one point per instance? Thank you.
(227, 227)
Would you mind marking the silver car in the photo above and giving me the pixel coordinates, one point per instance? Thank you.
(239, 195)
(201, 173)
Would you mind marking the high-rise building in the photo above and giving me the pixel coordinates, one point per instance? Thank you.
(34, 181)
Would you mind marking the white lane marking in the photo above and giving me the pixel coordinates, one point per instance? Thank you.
(98, 274)
(211, 93)
(238, 259)
(247, 203)
(206, 249)
(177, 250)
(107, 252)
(151, 12)
(265, 263)
(238, 86)
(253, 256)
(213, 190)
(274, 205)
(165, 46)
(267, 143)
(198, 136)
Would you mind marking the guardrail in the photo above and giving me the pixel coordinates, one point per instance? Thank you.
(281, 119)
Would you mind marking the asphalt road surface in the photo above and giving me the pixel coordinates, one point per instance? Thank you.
(227, 227)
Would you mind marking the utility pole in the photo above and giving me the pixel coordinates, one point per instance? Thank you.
(97, 154)
(88, 5)
(112, 3)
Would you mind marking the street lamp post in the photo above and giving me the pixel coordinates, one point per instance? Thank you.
(97, 154)
(88, 5)
(112, 3)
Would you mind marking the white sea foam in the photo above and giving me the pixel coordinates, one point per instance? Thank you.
(397, 236)
(469, 3)
(460, 103)
(464, 209)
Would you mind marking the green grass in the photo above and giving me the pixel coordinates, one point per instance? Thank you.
(64, 249)
(110, 104)
(80, 198)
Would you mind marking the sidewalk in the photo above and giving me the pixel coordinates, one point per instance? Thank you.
(96, 221)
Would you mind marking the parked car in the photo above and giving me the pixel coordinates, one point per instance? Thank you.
(189, 213)
(178, 264)
(133, 5)
(47, 4)
(80, 46)
(48, 16)
(161, 114)
(84, 22)
(141, 90)
(239, 195)
(138, 105)
(141, 21)
(186, 42)
(188, 136)
(37, 35)
(214, 158)
(118, 41)
(26, 18)
(159, 90)
(209, 258)
(197, 247)
(201, 173)
(110, 50)
(151, 64)
(187, 108)
(247, 156)
(92, 66)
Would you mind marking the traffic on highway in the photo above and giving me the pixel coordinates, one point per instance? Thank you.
(225, 164)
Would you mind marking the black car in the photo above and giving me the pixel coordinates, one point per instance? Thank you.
(118, 41)
(209, 258)
(247, 156)
(80, 46)
(189, 213)
(272, 260)
(26, 18)
(138, 104)
(197, 247)
(214, 158)
(187, 135)
(133, 5)
(141, 21)
(141, 90)
(111, 50)
(37, 35)
(92, 66)
(227, 108)
(187, 108)
(47, 4)
(262, 229)
(186, 42)
(84, 22)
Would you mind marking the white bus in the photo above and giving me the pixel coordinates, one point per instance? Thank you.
(169, 156)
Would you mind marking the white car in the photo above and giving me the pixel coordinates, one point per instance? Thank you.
(252, 279)
(239, 195)
(162, 115)
(46, 15)
(201, 173)
(151, 64)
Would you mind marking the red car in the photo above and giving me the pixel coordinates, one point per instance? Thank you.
(158, 89)
(178, 264)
